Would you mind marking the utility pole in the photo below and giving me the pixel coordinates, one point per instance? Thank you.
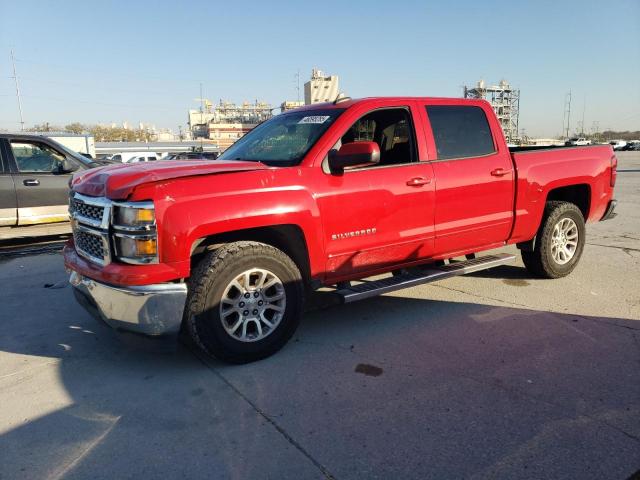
(15, 78)
(584, 107)
(201, 113)
(567, 113)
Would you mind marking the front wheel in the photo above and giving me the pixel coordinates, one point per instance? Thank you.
(245, 302)
(559, 242)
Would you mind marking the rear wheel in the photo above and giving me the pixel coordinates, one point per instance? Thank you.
(245, 302)
(559, 242)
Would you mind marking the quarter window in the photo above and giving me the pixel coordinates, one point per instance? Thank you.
(460, 131)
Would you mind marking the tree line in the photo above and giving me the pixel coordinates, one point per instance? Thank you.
(99, 132)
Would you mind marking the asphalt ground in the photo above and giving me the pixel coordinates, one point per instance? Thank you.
(494, 375)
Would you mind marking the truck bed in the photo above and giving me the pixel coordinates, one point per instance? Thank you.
(538, 148)
(542, 170)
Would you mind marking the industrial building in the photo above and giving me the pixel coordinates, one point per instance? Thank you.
(290, 105)
(226, 122)
(505, 101)
(321, 88)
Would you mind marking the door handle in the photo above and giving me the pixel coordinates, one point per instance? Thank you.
(31, 182)
(418, 181)
(500, 172)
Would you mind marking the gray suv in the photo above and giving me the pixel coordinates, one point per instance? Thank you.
(34, 179)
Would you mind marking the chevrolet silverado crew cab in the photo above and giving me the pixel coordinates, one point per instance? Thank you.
(324, 196)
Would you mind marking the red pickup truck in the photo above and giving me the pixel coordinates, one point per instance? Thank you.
(324, 195)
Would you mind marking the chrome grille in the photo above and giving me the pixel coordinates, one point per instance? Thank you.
(90, 221)
(94, 212)
(90, 244)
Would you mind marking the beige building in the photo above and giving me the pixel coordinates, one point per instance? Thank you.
(290, 105)
(320, 88)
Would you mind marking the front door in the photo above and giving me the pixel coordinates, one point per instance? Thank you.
(42, 193)
(378, 215)
(474, 179)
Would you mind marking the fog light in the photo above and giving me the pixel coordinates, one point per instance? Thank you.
(134, 249)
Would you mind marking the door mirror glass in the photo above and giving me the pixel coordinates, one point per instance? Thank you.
(354, 154)
(64, 166)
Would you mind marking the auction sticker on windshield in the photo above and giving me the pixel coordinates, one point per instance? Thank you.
(315, 119)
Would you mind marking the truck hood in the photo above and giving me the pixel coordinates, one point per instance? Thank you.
(117, 182)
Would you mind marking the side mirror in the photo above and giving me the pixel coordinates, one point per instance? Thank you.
(354, 154)
(65, 166)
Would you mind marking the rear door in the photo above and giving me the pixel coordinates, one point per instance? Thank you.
(474, 177)
(42, 194)
(8, 205)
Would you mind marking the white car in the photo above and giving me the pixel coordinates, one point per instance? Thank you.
(578, 141)
(149, 157)
(618, 144)
(134, 157)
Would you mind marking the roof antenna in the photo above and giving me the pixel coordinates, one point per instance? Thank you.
(341, 98)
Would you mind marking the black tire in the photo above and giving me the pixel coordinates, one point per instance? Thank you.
(214, 274)
(540, 261)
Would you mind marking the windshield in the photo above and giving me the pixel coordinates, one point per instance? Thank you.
(88, 162)
(284, 139)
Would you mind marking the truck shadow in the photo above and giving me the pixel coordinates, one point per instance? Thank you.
(523, 381)
(505, 272)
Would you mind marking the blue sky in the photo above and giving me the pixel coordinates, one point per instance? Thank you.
(111, 61)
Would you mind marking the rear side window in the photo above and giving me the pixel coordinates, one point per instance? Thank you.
(460, 131)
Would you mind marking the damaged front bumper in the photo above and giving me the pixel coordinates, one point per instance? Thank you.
(146, 309)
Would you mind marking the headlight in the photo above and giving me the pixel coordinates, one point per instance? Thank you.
(134, 229)
(134, 216)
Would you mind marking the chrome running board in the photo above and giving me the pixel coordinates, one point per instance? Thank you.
(430, 274)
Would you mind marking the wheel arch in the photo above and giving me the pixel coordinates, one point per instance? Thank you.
(578, 194)
(289, 238)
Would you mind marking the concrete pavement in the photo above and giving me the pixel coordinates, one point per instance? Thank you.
(495, 375)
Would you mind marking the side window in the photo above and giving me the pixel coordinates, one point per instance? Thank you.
(460, 131)
(391, 129)
(117, 158)
(35, 157)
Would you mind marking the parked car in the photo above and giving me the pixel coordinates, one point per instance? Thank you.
(577, 142)
(134, 157)
(34, 179)
(192, 156)
(631, 145)
(617, 144)
(325, 195)
(148, 157)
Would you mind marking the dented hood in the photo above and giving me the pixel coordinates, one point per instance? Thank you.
(117, 182)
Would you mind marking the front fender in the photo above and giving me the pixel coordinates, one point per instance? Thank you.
(187, 213)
